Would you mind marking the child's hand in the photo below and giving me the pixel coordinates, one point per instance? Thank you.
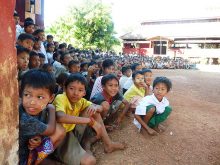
(34, 142)
(92, 109)
(143, 84)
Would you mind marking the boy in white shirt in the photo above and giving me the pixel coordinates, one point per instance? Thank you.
(154, 109)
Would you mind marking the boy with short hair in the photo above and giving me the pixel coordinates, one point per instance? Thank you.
(137, 91)
(50, 50)
(22, 58)
(148, 76)
(26, 40)
(42, 59)
(107, 68)
(39, 33)
(34, 61)
(134, 67)
(154, 109)
(39, 134)
(37, 45)
(69, 107)
(29, 27)
(126, 71)
(110, 99)
(74, 66)
(49, 40)
(19, 29)
(65, 58)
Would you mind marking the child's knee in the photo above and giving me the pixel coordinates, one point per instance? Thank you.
(152, 110)
(88, 160)
(105, 106)
(60, 131)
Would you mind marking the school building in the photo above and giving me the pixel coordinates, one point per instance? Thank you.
(197, 39)
(31, 8)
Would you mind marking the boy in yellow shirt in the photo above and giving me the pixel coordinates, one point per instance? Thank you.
(69, 106)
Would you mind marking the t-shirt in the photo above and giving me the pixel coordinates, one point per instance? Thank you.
(150, 100)
(97, 87)
(114, 103)
(128, 83)
(29, 126)
(134, 91)
(63, 104)
(122, 81)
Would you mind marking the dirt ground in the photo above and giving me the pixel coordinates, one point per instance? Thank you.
(192, 136)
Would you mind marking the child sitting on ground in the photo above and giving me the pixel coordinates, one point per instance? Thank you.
(110, 99)
(137, 91)
(154, 109)
(69, 106)
(38, 133)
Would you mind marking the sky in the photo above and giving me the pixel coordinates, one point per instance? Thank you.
(128, 14)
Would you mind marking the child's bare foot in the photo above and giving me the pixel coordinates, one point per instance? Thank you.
(109, 128)
(160, 128)
(151, 131)
(114, 146)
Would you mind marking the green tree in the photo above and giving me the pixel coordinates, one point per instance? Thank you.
(89, 26)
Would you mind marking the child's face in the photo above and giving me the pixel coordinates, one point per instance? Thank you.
(139, 67)
(74, 68)
(109, 70)
(27, 43)
(148, 78)
(37, 45)
(41, 36)
(50, 40)
(128, 73)
(34, 100)
(42, 61)
(35, 62)
(111, 87)
(29, 29)
(51, 49)
(139, 80)
(50, 69)
(75, 91)
(58, 58)
(17, 20)
(22, 61)
(160, 90)
(67, 59)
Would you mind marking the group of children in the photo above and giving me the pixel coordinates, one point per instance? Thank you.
(69, 102)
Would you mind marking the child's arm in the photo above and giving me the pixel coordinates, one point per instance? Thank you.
(144, 125)
(92, 109)
(51, 126)
(124, 111)
(69, 119)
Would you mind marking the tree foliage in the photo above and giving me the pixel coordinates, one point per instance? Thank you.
(87, 26)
